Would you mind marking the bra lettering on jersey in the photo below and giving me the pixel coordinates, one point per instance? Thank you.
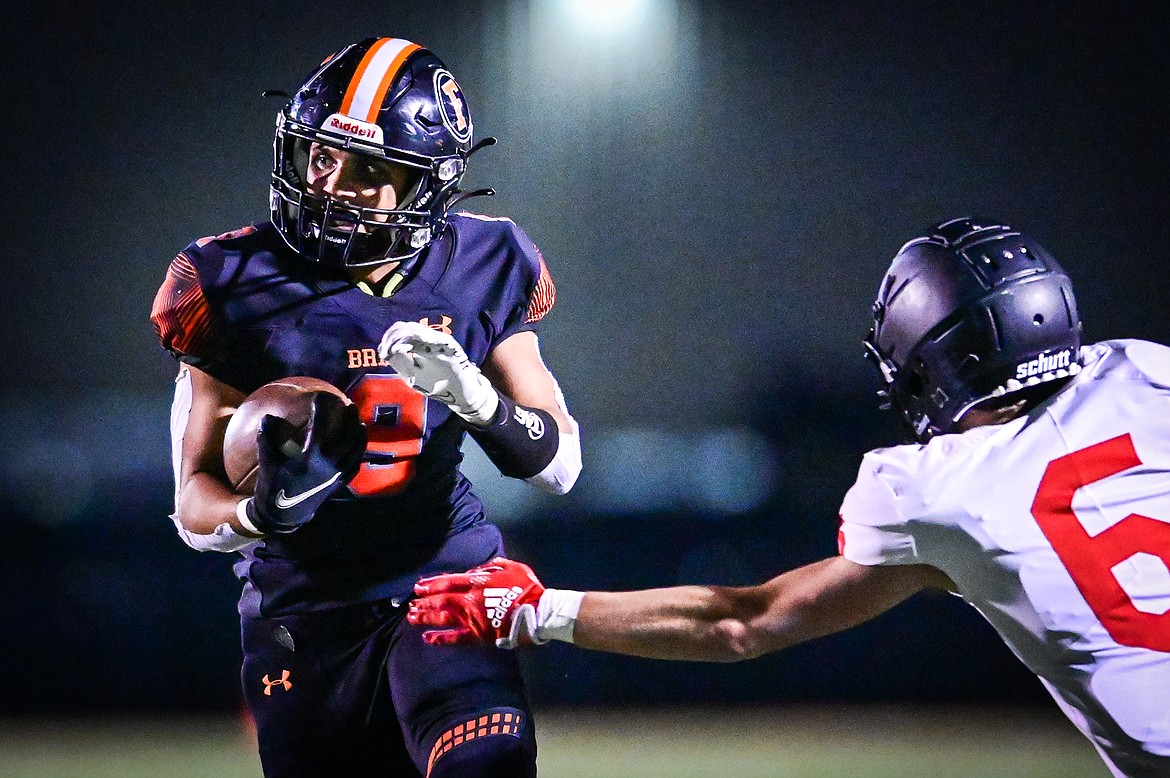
(368, 357)
(363, 357)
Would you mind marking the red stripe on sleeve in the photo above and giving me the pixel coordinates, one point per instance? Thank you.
(544, 294)
(180, 314)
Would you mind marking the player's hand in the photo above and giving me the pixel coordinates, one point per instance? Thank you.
(494, 603)
(435, 364)
(293, 479)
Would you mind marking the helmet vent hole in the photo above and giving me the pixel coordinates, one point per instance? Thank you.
(1038, 319)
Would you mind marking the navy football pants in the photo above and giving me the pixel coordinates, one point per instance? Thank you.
(354, 691)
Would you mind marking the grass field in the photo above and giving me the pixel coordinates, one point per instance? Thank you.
(868, 742)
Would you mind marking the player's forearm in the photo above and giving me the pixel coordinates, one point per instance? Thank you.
(698, 623)
(727, 624)
(205, 503)
(565, 423)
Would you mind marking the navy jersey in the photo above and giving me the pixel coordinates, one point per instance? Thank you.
(248, 310)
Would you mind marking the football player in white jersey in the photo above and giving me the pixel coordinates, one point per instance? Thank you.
(1037, 489)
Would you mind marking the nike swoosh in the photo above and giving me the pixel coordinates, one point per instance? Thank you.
(283, 501)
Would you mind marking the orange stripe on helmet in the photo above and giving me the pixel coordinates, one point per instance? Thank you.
(376, 74)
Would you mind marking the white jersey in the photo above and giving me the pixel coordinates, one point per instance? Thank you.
(1056, 527)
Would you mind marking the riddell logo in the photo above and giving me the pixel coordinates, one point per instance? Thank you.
(282, 682)
(497, 602)
(1045, 363)
(355, 128)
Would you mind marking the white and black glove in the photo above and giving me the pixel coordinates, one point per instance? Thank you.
(435, 364)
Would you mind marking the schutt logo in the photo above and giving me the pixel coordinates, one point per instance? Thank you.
(1045, 363)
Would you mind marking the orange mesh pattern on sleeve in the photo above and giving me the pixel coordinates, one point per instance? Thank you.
(544, 294)
(180, 314)
(481, 726)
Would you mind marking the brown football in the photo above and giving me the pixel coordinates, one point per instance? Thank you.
(290, 399)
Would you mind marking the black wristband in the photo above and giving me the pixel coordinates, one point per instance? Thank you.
(519, 441)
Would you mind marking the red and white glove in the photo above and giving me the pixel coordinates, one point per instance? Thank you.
(501, 602)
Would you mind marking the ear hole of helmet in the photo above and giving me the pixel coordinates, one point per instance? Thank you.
(915, 381)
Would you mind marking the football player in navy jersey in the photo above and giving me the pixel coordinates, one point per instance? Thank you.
(365, 277)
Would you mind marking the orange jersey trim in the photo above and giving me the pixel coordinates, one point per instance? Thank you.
(489, 724)
(544, 294)
(180, 313)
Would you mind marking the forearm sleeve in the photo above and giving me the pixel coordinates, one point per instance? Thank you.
(520, 441)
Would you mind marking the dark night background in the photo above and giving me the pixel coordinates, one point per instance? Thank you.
(717, 188)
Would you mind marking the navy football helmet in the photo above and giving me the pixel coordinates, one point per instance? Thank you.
(971, 311)
(393, 100)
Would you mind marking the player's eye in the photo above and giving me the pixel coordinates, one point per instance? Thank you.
(322, 163)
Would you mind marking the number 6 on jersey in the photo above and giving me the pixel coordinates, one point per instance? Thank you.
(1091, 559)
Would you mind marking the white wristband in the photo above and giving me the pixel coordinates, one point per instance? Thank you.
(242, 517)
(487, 401)
(557, 614)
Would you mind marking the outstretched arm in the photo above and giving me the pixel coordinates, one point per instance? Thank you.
(504, 602)
(726, 624)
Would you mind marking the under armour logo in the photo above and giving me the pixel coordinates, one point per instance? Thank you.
(443, 325)
(282, 681)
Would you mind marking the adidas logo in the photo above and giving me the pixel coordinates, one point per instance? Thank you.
(497, 601)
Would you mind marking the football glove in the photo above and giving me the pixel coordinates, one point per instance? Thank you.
(435, 364)
(294, 479)
(495, 603)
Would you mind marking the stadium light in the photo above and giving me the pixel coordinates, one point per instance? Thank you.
(607, 17)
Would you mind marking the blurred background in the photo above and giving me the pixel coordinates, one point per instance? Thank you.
(717, 188)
